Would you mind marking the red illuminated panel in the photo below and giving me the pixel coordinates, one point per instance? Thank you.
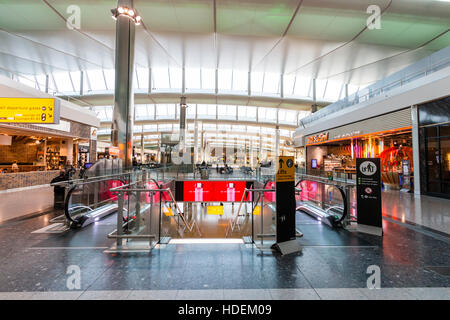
(105, 194)
(309, 190)
(214, 191)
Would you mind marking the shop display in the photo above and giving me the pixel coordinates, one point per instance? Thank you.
(52, 158)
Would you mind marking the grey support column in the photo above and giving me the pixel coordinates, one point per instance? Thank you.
(142, 148)
(202, 146)
(277, 144)
(260, 146)
(416, 148)
(183, 107)
(123, 112)
(81, 83)
(46, 83)
(314, 105)
(195, 141)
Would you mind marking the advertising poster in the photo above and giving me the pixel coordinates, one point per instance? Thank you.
(214, 191)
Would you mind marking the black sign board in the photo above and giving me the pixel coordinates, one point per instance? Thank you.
(368, 193)
(285, 197)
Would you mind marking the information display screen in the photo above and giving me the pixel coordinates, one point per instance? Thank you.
(214, 191)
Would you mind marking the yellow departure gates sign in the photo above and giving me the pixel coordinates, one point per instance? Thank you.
(29, 110)
(285, 169)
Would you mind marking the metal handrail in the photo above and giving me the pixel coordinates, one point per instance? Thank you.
(234, 221)
(188, 226)
(89, 180)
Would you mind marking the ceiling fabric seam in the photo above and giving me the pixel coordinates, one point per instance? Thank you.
(342, 45)
(393, 56)
(283, 34)
(33, 61)
(49, 47)
(79, 31)
(157, 42)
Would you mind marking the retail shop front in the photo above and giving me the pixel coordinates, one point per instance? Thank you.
(30, 157)
(334, 152)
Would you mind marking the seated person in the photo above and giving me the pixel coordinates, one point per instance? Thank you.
(15, 166)
(59, 190)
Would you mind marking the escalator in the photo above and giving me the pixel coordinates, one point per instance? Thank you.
(324, 201)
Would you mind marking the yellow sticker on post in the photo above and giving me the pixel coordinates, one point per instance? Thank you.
(214, 210)
(29, 110)
(285, 169)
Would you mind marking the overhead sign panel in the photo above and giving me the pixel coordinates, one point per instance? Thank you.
(29, 110)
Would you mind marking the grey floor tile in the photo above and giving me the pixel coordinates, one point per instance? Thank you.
(387, 294)
(16, 295)
(214, 294)
(429, 293)
(246, 294)
(294, 294)
(152, 295)
(341, 294)
(56, 295)
(105, 295)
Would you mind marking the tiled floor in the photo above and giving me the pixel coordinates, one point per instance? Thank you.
(332, 265)
(239, 294)
(430, 212)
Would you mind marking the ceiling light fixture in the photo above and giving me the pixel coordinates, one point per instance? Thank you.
(127, 12)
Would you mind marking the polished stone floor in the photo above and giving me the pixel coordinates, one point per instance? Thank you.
(414, 263)
(429, 212)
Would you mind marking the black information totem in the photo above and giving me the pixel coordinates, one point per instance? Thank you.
(368, 193)
(285, 199)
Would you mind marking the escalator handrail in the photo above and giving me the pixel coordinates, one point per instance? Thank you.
(342, 192)
(66, 203)
(69, 195)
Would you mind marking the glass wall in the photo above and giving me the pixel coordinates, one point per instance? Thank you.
(434, 119)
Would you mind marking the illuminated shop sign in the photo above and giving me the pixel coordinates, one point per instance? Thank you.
(29, 110)
(321, 137)
(114, 151)
(347, 135)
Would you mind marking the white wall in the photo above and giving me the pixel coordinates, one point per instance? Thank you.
(26, 201)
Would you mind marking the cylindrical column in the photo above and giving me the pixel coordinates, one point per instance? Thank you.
(195, 142)
(142, 149)
(123, 112)
(314, 105)
(260, 149)
(183, 107)
(416, 148)
(277, 144)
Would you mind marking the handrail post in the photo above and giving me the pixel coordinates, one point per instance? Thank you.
(138, 210)
(160, 217)
(119, 218)
(262, 216)
(150, 216)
